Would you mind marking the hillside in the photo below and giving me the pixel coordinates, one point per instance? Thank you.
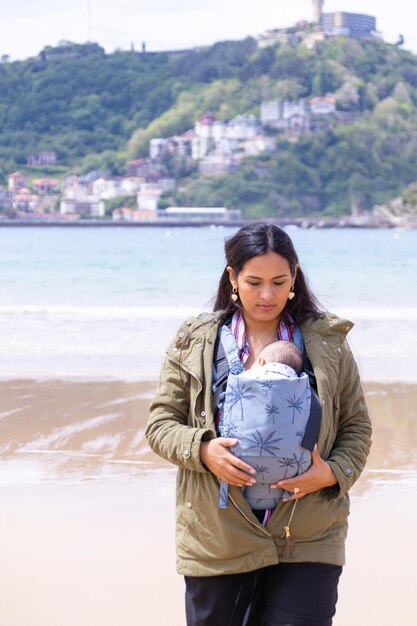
(96, 111)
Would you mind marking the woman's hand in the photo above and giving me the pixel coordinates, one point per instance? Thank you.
(319, 475)
(216, 457)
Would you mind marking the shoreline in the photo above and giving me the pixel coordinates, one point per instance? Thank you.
(306, 222)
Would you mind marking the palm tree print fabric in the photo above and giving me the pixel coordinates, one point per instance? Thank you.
(267, 410)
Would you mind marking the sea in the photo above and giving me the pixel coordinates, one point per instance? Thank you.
(103, 303)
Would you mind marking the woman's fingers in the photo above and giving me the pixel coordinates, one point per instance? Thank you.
(224, 464)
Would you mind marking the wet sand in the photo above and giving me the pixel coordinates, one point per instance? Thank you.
(87, 515)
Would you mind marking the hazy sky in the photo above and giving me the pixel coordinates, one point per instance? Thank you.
(27, 26)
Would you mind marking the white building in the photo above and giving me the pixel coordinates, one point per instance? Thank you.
(243, 127)
(72, 189)
(88, 206)
(157, 147)
(148, 196)
(258, 145)
(203, 126)
(271, 112)
(106, 188)
(130, 185)
(286, 115)
(200, 146)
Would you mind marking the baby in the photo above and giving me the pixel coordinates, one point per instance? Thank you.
(279, 357)
(266, 408)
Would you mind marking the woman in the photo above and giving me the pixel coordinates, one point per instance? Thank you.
(241, 567)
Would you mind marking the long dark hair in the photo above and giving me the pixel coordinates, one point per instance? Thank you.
(256, 239)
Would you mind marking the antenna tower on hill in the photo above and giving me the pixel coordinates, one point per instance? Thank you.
(88, 21)
(317, 11)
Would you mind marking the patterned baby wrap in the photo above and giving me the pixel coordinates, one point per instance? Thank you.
(268, 413)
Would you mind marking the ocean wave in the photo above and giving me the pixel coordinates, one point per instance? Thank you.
(377, 313)
(69, 312)
(374, 313)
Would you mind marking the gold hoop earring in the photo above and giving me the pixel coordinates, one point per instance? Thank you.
(291, 295)
(234, 295)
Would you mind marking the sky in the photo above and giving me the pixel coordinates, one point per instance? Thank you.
(27, 26)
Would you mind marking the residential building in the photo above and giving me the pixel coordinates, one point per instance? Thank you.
(90, 206)
(17, 181)
(203, 126)
(157, 147)
(271, 112)
(286, 115)
(201, 146)
(219, 131)
(73, 189)
(90, 177)
(44, 157)
(258, 144)
(69, 181)
(183, 143)
(46, 186)
(107, 187)
(144, 167)
(297, 124)
(25, 200)
(130, 185)
(148, 196)
(125, 214)
(323, 106)
(243, 127)
(6, 199)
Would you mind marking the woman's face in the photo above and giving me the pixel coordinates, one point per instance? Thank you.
(263, 283)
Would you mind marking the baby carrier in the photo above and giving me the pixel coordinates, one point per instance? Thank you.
(275, 418)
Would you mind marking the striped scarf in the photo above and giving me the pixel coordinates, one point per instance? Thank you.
(285, 331)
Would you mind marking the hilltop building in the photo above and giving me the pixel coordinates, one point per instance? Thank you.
(323, 26)
(356, 25)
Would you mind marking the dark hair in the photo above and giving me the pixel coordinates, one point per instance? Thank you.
(254, 240)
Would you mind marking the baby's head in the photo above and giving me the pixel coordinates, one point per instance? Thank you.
(284, 352)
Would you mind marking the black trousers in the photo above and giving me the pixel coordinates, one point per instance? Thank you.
(288, 594)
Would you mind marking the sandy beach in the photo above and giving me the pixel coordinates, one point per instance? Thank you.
(87, 515)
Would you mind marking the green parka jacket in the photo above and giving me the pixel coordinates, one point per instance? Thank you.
(212, 541)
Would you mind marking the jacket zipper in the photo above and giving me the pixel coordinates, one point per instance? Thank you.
(257, 526)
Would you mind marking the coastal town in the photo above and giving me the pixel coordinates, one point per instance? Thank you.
(213, 147)
(217, 147)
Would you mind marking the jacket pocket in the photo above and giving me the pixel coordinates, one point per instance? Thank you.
(316, 515)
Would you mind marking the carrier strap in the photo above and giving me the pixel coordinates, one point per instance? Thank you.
(220, 373)
(313, 423)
